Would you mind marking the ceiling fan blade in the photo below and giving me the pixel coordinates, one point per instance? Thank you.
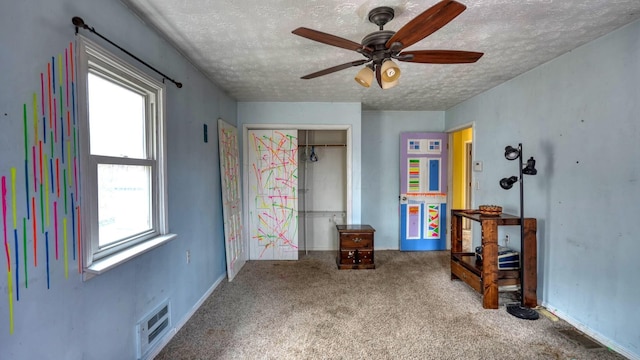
(335, 68)
(329, 39)
(427, 23)
(441, 56)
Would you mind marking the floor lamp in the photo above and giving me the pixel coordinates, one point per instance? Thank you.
(511, 153)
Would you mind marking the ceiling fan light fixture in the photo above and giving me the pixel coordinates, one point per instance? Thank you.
(388, 84)
(390, 71)
(365, 76)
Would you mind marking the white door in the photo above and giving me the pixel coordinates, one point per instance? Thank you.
(273, 194)
(231, 200)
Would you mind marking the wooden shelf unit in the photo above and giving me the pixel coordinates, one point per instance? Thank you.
(484, 276)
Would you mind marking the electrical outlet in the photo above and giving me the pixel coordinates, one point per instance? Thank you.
(188, 256)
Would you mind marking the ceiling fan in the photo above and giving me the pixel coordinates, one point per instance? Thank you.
(380, 47)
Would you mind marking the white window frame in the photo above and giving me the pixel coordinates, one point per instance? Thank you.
(92, 57)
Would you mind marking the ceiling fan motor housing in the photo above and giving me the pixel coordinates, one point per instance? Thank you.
(376, 41)
(381, 15)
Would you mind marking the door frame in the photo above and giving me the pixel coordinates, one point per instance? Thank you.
(246, 171)
(468, 180)
(464, 126)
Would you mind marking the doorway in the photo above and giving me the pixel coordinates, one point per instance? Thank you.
(461, 141)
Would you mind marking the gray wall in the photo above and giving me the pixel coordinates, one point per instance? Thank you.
(578, 116)
(96, 319)
(381, 167)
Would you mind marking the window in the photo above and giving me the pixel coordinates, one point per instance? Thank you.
(123, 162)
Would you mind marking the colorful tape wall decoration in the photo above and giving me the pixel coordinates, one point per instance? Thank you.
(50, 179)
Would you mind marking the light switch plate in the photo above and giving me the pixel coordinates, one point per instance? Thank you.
(477, 166)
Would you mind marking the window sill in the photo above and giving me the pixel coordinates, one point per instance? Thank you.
(103, 265)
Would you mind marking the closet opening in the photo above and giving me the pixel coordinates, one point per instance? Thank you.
(322, 181)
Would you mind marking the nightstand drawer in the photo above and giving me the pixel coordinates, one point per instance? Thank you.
(356, 257)
(356, 241)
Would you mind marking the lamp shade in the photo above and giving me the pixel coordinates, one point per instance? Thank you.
(390, 71)
(507, 183)
(388, 85)
(530, 169)
(511, 153)
(365, 77)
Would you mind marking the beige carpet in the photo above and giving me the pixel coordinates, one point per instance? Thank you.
(407, 308)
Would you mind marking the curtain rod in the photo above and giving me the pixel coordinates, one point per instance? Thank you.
(79, 23)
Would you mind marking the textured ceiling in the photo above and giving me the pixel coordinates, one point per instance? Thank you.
(247, 48)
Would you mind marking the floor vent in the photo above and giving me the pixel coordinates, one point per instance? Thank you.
(151, 328)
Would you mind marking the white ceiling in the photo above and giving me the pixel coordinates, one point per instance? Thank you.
(247, 48)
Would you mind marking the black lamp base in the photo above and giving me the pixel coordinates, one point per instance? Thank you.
(522, 312)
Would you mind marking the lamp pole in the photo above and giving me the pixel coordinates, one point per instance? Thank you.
(520, 310)
(521, 227)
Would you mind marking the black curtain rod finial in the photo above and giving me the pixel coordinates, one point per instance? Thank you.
(77, 21)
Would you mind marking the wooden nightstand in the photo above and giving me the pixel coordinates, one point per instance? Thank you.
(356, 247)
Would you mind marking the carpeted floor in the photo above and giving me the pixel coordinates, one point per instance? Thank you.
(407, 308)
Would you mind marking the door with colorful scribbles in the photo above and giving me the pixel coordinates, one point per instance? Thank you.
(273, 194)
(235, 247)
(423, 184)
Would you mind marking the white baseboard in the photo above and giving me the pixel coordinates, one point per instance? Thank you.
(594, 334)
(165, 340)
